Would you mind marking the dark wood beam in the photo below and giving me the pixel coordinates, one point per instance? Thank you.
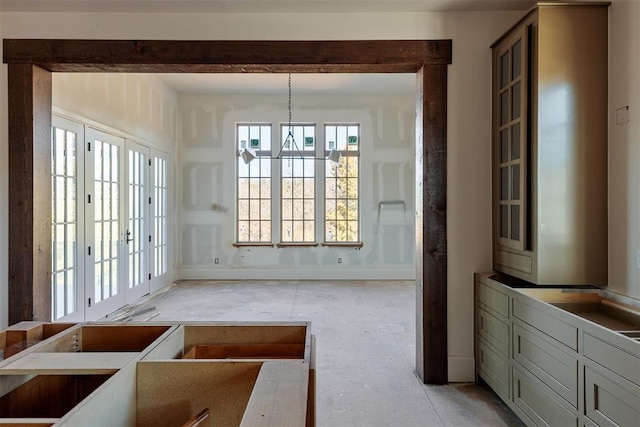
(30, 139)
(29, 95)
(340, 56)
(431, 224)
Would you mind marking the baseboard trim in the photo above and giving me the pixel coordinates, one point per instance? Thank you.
(295, 274)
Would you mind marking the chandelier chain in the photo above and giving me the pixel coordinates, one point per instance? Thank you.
(289, 102)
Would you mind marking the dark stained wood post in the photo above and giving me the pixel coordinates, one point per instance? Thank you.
(431, 224)
(29, 94)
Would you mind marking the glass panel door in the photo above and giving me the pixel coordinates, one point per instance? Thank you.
(104, 232)
(67, 220)
(137, 237)
(160, 213)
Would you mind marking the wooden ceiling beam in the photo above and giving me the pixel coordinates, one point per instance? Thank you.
(339, 56)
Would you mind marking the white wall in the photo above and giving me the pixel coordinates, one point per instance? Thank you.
(469, 206)
(140, 105)
(624, 147)
(207, 171)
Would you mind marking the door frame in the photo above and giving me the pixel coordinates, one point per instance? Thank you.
(31, 62)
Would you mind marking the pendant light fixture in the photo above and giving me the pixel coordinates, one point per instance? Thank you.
(289, 142)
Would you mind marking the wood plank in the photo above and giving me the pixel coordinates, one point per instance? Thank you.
(240, 351)
(69, 363)
(431, 224)
(311, 396)
(29, 96)
(193, 385)
(113, 404)
(220, 56)
(244, 334)
(279, 397)
(28, 422)
(48, 396)
(121, 337)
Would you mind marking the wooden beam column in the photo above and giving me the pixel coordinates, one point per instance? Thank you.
(431, 224)
(29, 94)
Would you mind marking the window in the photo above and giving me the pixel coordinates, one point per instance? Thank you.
(298, 184)
(316, 198)
(254, 184)
(341, 210)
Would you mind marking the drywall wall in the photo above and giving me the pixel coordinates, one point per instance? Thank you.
(468, 167)
(139, 105)
(207, 187)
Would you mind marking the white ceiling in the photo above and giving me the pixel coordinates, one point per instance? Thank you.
(274, 83)
(262, 6)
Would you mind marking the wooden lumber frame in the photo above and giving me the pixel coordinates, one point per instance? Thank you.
(30, 63)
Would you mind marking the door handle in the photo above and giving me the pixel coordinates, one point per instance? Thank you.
(128, 239)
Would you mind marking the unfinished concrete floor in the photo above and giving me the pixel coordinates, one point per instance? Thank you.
(365, 354)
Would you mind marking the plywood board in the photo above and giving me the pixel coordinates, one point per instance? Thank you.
(246, 351)
(279, 397)
(120, 337)
(172, 392)
(69, 363)
(245, 334)
(113, 404)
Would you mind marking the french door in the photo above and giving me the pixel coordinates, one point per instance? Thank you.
(101, 209)
(137, 233)
(104, 226)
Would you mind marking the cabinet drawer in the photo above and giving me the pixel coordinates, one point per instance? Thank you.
(609, 404)
(493, 299)
(613, 358)
(494, 369)
(539, 402)
(563, 333)
(494, 331)
(557, 369)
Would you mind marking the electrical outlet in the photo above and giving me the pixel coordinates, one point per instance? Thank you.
(339, 260)
(216, 261)
(637, 259)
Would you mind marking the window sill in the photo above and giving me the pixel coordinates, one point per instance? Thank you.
(297, 245)
(259, 244)
(354, 245)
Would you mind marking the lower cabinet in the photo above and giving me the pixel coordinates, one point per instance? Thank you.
(553, 367)
(540, 404)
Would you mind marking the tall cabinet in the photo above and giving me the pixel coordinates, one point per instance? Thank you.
(550, 145)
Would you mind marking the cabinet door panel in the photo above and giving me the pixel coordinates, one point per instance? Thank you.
(494, 331)
(493, 300)
(609, 404)
(539, 403)
(612, 358)
(563, 333)
(554, 367)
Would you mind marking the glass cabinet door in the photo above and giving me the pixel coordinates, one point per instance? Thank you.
(510, 139)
